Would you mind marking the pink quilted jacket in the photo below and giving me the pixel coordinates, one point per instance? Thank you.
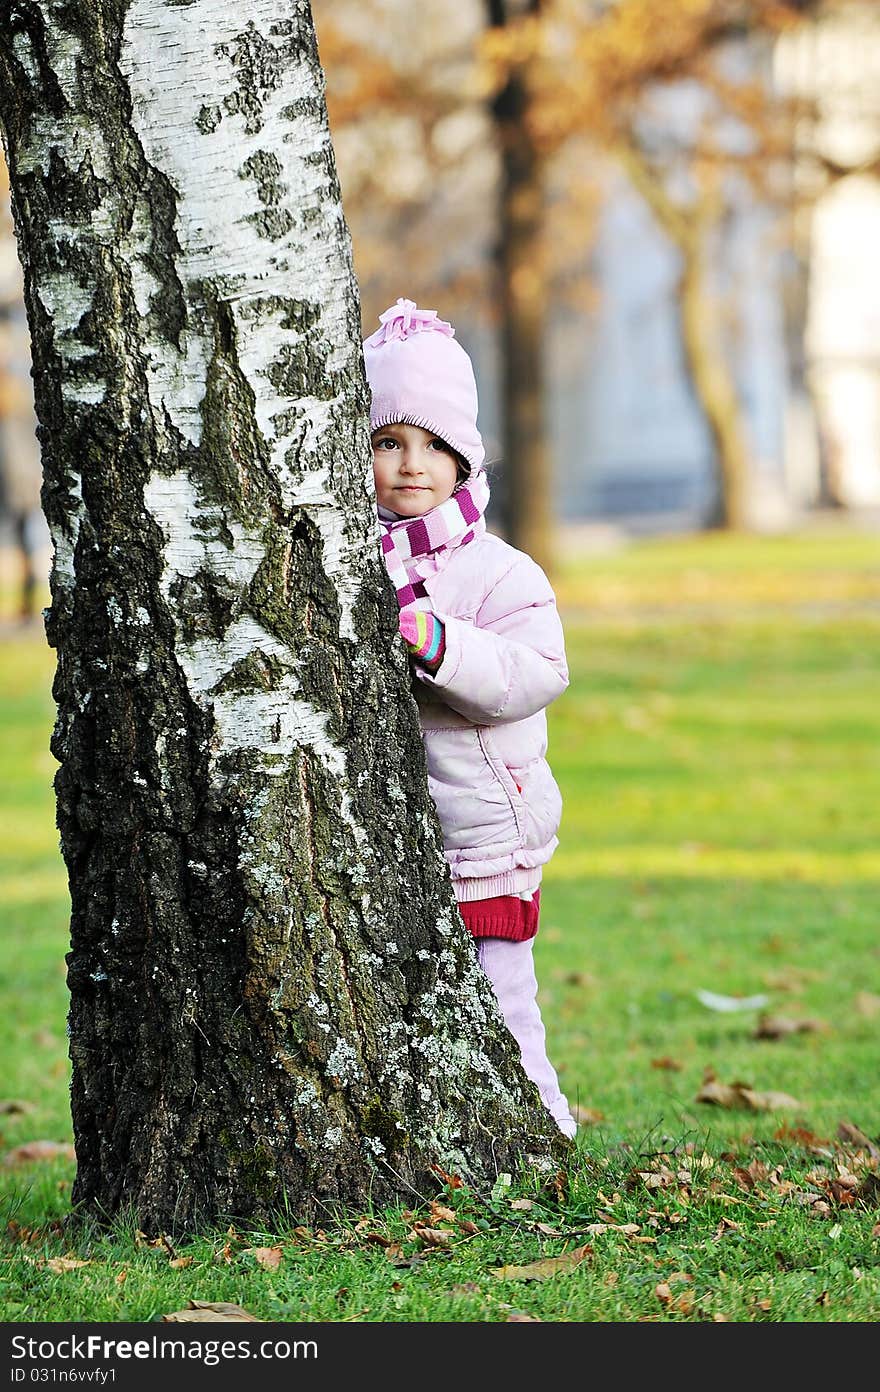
(482, 715)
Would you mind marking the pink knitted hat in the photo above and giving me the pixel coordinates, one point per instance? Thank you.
(419, 375)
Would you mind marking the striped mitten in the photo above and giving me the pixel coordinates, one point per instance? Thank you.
(424, 635)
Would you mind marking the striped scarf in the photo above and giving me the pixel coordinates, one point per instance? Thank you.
(454, 523)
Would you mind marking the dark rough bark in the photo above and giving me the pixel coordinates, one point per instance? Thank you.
(273, 1001)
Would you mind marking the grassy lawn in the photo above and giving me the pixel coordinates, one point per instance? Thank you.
(719, 757)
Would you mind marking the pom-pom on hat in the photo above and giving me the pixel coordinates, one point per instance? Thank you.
(419, 375)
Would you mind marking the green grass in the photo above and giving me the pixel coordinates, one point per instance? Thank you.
(719, 756)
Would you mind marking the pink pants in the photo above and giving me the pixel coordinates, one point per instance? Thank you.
(511, 970)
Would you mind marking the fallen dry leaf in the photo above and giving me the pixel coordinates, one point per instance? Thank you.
(267, 1257)
(663, 1293)
(521, 1205)
(586, 1116)
(434, 1237)
(670, 1064)
(379, 1238)
(178, 1263)
(68, 1263)
(547, 1267)
(39, 1150)
(452, 1180)
(741, 1096)
(441, 1214)
(203, 1310)
(778, 1026)
(847, 1132)
(867, 1004)
(13, 1106)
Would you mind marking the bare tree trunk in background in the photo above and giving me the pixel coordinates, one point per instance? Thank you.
(273, 999)
(710, 373)
(527, 477)
(715, 388)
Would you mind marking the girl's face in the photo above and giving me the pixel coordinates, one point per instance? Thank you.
(414, 470)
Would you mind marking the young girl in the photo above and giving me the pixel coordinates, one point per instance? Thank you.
(482, 628)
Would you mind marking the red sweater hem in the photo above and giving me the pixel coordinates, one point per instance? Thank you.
(503, 917)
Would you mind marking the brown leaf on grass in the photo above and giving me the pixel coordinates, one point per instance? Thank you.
(671, 1065)
(452, 1180)
(545, 1268)
(802, 1136)
(379, 1238)
(595, 1229)
(869, 1190)
(851, 1134)
(14, 1106)
(441, 1214)
(867, 1004)
(741, 1096)
(433, 1237)
(778, 1026)
(121, 1278)
(522, 1205)
(198, 1311)
(178, 1263)
(754, 1173)
(30, 1151)
(663, 1293)
(269, 1258)
(68, 1263)
(586, 1116)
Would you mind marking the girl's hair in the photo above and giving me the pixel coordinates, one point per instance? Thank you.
(462, 469)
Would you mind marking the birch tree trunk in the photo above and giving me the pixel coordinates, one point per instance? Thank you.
(273, 1000)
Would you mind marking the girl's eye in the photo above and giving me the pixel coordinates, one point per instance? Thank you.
(440, 445)
(385, 443)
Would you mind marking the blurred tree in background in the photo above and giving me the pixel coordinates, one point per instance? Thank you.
(484, 129)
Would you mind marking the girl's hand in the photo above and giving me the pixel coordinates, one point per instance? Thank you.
(424, 635)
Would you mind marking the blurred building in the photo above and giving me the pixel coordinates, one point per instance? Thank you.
(833, 63)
